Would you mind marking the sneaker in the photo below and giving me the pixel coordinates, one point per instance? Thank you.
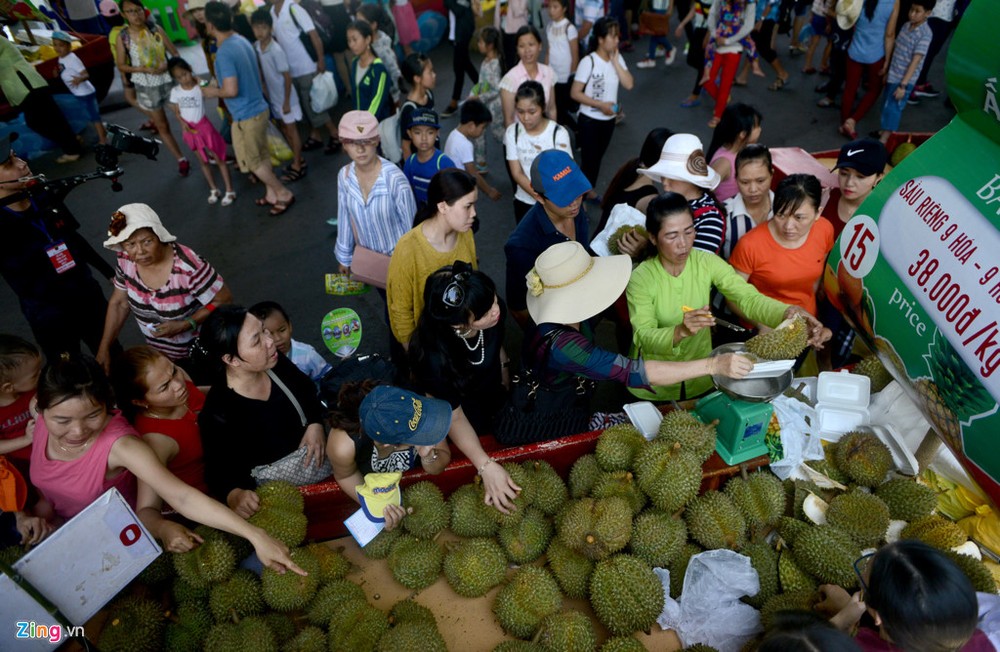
(332, 221)
(913, 100)
(926, 90)
(646, 63)
(671, 56)
(183, 167)
(449, 111)
(660, 51)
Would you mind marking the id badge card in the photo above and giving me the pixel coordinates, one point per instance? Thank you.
(60, 257)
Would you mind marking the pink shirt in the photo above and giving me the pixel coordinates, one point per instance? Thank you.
(519, 74)
(71, 486)
(729, 187)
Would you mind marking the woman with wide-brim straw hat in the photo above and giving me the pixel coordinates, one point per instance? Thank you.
(566, 289)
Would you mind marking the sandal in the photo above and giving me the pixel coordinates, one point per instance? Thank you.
(809, 70)
(262, 201)
(848, 132)
(778, 84)
(311, 144)
(825, 103)
(333, 147)
(691, 103)
(280, 207)
(228, 198)
(714, 122)
(213, 197)
(292, 175)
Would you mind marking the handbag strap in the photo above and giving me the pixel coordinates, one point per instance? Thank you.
(291, 397)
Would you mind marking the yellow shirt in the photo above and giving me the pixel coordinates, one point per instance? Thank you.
(15, 72)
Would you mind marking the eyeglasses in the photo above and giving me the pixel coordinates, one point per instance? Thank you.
(454, 293)
(860, 566)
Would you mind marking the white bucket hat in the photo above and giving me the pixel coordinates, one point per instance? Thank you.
(683, 158)
(130, 218)
(567, 285)
(848, 12)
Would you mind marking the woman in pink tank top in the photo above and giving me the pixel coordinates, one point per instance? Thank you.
(82, 448)
(740, 126)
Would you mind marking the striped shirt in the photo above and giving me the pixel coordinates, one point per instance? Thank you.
(573, 353)
(740, 222)
(192, 284)
(381, 220)
(709, 224)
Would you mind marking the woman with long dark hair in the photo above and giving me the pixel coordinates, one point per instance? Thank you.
(868, 55)
(630, 187)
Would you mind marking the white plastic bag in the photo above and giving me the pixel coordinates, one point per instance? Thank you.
(621, 215)
(323, 93)
(798, 442)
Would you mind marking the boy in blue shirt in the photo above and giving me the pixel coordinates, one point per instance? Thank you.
(908, 55)
(426, 160)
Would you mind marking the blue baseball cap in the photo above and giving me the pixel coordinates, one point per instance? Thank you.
(556, 175)
(423, 117)
(390, 415)
(61, 36)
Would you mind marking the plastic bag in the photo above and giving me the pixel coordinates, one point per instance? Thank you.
(710, 608)
(277, 146)
(621, 215)
(798, 442)
(323, 93)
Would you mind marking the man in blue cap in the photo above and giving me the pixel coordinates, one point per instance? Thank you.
(558, 216)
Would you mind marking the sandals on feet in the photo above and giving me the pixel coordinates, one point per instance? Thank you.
(848, 132)
(332, 147)
(809, 70)
(262, 201)
(280, 207)
(292, 175)
(213, 197)
(778, 84)
(311, 144)
(825, 103)
(713, 123)
(228, 198)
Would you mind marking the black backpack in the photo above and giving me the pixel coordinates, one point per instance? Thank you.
(320, 20)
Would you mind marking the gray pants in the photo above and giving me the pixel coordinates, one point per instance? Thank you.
(302, 85)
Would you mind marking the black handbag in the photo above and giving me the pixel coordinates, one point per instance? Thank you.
(353, 369)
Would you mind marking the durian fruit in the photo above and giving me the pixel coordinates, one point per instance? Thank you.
(907, 499)
(657, 537)
(281, 624)
(621, 484)
(356, 626)
(627, 596)
(522, 479)
(236, 598)
(412, 637)
(714, 522)
(184, 591)
(790, 528)
(11, 554)
(329, 597)
(333, 565)
(567, 630)
(549, 492)
(212, 561)
(249, 634)
(877, 374)
(977, 572)
(409, 611)
(795, 601)
(134, 625)
(517, 645)
(310, 639)
(862, 515)
(571, 569)
(281, 495)
(291, 591)
(285, 525)
(614, 240)
(901, 152)
(935, 531)
(582, 475)
(415, 563)
(617, 447)
(623, 644)
(529, 596)
(785, 342)
(381, 545)
(470, 515)
(474, 566)
(828, 554)
(827, 467)
(863, 458)
(764, 560)
(526, 541)
(596, 527)
(678, 569)
(430, 513)
(791, 577)
(760, 498)
(160, 571)
(188, 632)
(684, 428)
(669, 475)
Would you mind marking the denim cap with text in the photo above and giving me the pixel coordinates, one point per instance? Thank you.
(556, 176)
(390, 415)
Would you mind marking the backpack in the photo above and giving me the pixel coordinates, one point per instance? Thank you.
(437, 160)
(572, 139)
(391, 136)
(320, 21)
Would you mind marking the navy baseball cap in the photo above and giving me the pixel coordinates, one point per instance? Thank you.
(556, 175)
(390, 415)
(866, 155)
(7, 146)
(422, 117)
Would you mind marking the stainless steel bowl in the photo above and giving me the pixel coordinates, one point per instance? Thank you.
(754, 390)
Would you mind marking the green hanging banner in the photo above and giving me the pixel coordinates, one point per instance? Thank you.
(917, 269)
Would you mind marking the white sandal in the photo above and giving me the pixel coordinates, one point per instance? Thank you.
(213, 197)
(229, 198)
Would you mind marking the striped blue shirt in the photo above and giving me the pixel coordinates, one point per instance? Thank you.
(382, 220)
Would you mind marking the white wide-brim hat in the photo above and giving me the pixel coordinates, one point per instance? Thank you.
(848, 12)
(130, 218)
(683, 158)
(567, 285)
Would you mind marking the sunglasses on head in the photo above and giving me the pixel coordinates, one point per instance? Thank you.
(454, 293)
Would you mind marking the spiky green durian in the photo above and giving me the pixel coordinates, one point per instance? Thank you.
(522, 479)
(678, 569)
(796, 492)
(684, 428)
(827, 467)
(785, 342)
(281, 624)
(790, 528)
(212, 561)
(571, 569)
(474, 566)
(529, 596)
(470, 515)
(285, 525)
(310, 639)
(863, 458)
(617, 447)
(329, 597)
(409, 611)
(188, 633)
(862, 515)
(626, 594)
(582, 475)
(935, 531)
(828, 554)
(525, 541)
(549, 492)
(614, 240)
(657, 537)
(134, 625)
(623, 644)
(236, 598)
(430, 512)
(381, 545)
(184, 591)
(977, 572)
(415, 563)
(333, 565)
(596, 527)
(291, 591)
(160, 571)
(356, 627)
(412, 637)
(567, 630)
(907, 499)
(796, 601)
(764, 560)
(760, 498)
(11, 554)
(714, 522)
(622, 484)
(791, 577)
(515, 645)
(282, 495)
(872, 367)
(249, 634)
(669, 475)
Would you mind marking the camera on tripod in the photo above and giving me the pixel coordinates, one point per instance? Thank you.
(123, 141)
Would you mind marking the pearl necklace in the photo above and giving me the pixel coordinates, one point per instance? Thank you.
(472, 349)
(78, 451)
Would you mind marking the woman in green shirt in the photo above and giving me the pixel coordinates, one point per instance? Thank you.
(680, 276)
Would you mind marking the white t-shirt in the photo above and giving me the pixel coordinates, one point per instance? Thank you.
(274, 64)
(286, 32)
(523, 148)
(559, 36)
(191, 103)
(459, 149)
(600, 82)
(69, 67)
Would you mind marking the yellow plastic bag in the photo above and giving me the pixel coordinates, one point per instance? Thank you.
(984, 527)
(954, 500)
(277, 146)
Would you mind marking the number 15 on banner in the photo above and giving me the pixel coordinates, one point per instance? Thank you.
(859, 246)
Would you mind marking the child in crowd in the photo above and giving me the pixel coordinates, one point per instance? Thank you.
(739, 127)
(662, 7)
(912, 44)
(820, 21)
(20, 364)
(487, 89)
(377, 18)
(406, 24)
(278, 324)
(729, 24)
(284, 101)
(563, 55)
(473, 119)
(726, 28)
(198, 132)
(418, 71)
(369, 78)
(75, 76)
(427, 159)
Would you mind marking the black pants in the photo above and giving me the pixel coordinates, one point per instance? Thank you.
(520, 210)
(764, 39)
(939, 34)
(696, 55)
(461, 65)
(840, 40)
(80, 318)
(565, 104)
(595, 136)
(42, 115)
(509, 43)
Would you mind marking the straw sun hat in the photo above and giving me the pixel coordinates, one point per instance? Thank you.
(567, 285)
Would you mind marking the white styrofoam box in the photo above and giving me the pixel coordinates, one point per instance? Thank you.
(841, 403)
(904, 460)
(81, 566)
(645, 417)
